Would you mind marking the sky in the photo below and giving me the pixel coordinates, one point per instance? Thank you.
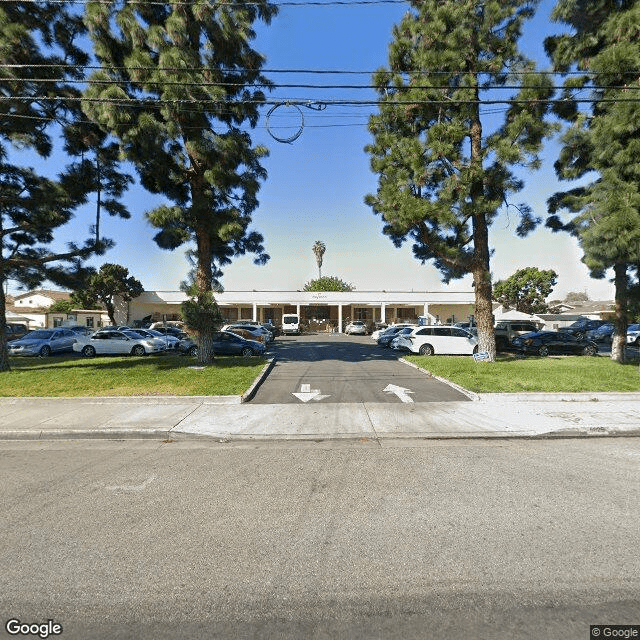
(316, 185)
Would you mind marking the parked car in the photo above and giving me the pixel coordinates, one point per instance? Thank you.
(171, 331)
(544, 343)
(250, 331)
(633, 334)
(227, 343)
(580, 327)
(81, 330)
(113, 342)
(43, 342)
(385, 338)
(15, 331)
(506, 330)
(356, 327)
(170, 341)
(290, 324)
(603, 333)
(447, 340)
(396, 340)
(187, 346)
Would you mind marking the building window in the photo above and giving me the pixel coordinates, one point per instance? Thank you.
(57, 321)
(90, 322)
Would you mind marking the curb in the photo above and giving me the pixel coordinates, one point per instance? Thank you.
(168, 436)
(470, 394)
(251, 391)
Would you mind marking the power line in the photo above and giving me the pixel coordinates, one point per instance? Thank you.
(272, 85)
(417, 72)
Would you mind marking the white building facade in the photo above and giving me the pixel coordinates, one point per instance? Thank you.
(320, 310)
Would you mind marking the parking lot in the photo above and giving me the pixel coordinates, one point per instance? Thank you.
(327, 367)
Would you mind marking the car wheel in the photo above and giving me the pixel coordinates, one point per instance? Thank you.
(501, 344)
(637, 341)
(88, 351)
(193, 351)
(543, 351)
(425, 350)
(589, 350)
(475, 349)
(247, 351)
(138, 350)
(45, 352)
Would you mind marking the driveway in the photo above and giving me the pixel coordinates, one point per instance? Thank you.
(344, 369)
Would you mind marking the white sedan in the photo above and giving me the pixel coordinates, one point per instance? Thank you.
(356, 327)
(439, 340)
(118, 343)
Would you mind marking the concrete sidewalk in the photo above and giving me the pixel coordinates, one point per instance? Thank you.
(488, 416)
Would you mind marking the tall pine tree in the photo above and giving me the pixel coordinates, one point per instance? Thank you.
(39, 61)
(601, 55)
(181, 86)
(445, 167)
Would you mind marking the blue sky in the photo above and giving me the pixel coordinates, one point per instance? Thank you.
(316, 185)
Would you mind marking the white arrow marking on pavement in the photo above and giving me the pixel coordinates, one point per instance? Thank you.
(401, 392)
(139, 487)
(307, 393)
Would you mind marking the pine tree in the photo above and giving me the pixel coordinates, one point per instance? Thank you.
(182, 84)
(603, 52)
(103, 286)
(38, 61)
(445, 167)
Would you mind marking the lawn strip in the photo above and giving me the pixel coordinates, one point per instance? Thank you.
(128, 376)
(511, 374)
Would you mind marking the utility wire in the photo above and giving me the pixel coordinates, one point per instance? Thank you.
(272, 85)
(433, 72)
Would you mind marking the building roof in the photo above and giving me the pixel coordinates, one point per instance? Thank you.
(49, 293)
(318, 297)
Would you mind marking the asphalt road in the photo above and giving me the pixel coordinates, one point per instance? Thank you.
(340, 368)
(495, 540)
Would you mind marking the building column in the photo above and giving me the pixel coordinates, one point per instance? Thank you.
(298, 312)
(255, 312)
(383, 312)
(339, 318)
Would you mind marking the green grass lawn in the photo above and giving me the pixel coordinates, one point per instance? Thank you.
(555, 373)
(128, 376)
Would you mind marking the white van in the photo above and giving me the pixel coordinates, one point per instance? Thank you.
(290, 323)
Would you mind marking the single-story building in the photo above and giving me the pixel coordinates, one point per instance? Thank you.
(320, 310)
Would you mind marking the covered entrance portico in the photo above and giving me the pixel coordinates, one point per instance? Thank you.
(329, 311)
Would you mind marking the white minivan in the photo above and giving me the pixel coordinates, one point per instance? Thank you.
(439, 340)
(290, 323)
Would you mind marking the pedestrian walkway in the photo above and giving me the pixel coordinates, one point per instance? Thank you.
(488, 416)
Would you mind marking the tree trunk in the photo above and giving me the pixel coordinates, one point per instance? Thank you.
(111, 312)
(619, 339)
(481, 272)
(4, 356)
(204, 277)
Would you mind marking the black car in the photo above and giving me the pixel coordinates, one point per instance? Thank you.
(580, 327)
(385, 338)
(544, 343)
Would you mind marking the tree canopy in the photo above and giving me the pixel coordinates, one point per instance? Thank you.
(40, 61)
(526, 290)
(444, 172)
(328, 283)
(179, 86)
(103, 286)
(602, 50)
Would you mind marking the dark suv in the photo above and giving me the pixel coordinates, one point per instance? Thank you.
(15, 331)
(580, 327)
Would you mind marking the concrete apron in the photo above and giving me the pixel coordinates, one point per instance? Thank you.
(179, 417)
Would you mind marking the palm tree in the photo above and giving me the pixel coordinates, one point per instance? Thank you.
(318, 250)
